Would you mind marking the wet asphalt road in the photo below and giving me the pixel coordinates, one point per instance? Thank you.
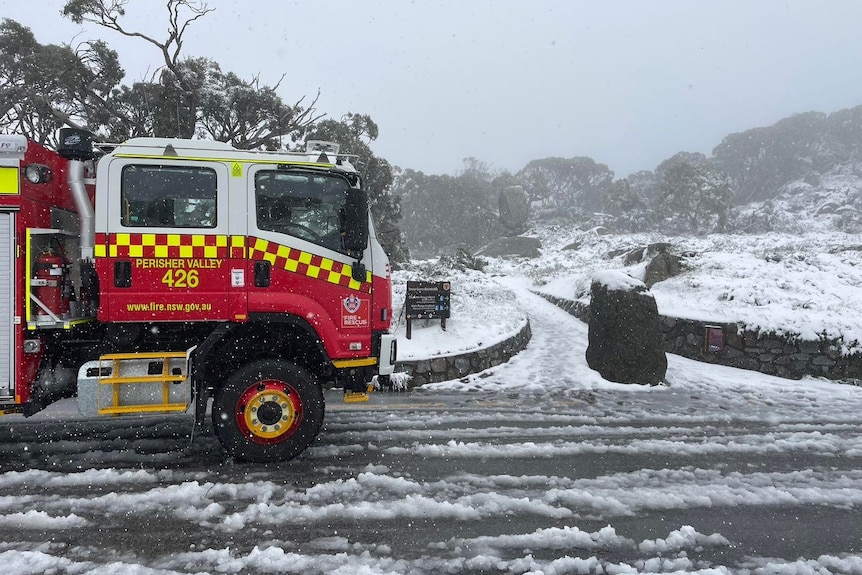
(575, 448)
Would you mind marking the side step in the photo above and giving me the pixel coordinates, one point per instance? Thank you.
(358, 396)
(124, 383)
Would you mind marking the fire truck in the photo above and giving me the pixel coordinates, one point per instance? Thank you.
(163, 275)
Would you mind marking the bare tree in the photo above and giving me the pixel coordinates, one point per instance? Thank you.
(251, 115)
(108, 13)
(193, 96)
(181, 14)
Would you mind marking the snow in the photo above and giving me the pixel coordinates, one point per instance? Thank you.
(808, 286)
(616, 280)
(40, 520)
(482, 314)
(777, 282)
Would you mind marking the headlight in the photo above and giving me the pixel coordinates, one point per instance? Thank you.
(38, 173)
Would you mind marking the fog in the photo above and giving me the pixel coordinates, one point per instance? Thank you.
(626, 82)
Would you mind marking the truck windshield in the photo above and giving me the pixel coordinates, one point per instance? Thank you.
(303, 205)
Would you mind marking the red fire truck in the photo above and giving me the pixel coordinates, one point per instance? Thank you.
(154, 275)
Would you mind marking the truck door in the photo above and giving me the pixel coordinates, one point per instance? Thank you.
(168, 243)
(297, 259)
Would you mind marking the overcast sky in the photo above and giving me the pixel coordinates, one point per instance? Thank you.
(626, 82)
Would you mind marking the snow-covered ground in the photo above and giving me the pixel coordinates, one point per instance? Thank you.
(482, 314)
(536, 466)
(806, 285)
(809, 286)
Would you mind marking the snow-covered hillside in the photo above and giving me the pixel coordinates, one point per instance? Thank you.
(806, 285)
(817, 203)
(809, 285)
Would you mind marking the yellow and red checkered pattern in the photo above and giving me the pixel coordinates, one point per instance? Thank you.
(307, 264)
(167, 246)
(223, 246)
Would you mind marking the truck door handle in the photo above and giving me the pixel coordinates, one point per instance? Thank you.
(262, 273)
(122, 274)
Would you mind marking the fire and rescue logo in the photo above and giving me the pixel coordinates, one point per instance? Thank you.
(352, 304)
(356, 312)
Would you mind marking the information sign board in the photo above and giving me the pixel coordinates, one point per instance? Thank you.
(427, 300)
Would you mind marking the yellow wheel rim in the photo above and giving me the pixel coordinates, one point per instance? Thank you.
(269, 411)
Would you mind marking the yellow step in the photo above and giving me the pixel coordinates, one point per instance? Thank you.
(355, 397)
(160, 399)
(149, 408)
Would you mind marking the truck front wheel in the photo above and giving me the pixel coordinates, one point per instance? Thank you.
(269, 410)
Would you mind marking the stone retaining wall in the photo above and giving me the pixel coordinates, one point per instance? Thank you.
(782, 355)
(455, 366)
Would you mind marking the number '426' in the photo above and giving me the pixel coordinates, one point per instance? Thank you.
(181, 278)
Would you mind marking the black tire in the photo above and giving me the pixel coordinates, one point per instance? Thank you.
(267, 411)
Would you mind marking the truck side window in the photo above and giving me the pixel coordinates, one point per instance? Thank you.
(304, 205)
(168, 196)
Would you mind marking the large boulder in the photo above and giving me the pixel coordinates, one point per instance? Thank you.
(625, 341)
(643, 253)
(662, 263)
(518, 246)
(514, 209)
(662, 267)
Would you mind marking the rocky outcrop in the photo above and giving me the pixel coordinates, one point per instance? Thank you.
(514, 209)
(624, 334)
(662, 262)
(663, 266)
(512, 247)
(640, 254)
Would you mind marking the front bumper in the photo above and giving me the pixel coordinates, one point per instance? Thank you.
(388, 354)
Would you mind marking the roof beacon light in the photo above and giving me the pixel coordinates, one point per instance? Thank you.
(322, 146)
(12, 147)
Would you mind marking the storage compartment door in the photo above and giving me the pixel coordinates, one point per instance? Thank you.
(7, 305)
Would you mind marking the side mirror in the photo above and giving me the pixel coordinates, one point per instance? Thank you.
(354, 223)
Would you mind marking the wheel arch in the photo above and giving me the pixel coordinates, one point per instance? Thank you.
(265, 336)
